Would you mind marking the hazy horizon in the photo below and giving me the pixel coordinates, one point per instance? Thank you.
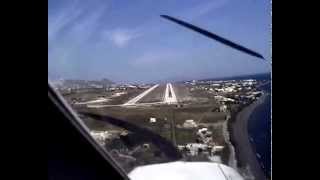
(127, 41)
(165, 81)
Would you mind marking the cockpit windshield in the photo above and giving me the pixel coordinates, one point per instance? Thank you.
(166, 81)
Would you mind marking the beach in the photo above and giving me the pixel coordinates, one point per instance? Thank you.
(246, 156)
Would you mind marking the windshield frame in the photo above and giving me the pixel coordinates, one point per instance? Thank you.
(77, 123)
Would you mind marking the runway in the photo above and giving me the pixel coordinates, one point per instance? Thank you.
(170, 96)
(140, 96)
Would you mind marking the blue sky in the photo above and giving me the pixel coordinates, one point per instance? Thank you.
(127, 41)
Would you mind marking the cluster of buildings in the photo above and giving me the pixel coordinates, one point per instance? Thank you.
(230, 86)
(82, 84)
(204, 143)
(122, 87)
(69, 86)
(225, 93)
(230, 91)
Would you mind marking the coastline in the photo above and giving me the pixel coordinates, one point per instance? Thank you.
(232, 157)
(245, 154)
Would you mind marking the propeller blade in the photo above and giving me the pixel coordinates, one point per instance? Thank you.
(214, 36)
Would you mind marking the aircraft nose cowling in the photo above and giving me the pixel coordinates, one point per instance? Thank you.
(185, 171)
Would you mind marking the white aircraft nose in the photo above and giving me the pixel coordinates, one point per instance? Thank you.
(185, 171)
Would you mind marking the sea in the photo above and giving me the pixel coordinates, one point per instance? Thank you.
(259, 127)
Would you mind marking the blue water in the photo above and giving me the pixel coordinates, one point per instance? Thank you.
(259, 127)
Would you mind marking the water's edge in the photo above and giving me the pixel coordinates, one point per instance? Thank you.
(259, 125)
(243, 117)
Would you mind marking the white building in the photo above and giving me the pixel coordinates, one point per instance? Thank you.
(223, 99)
(217, 149)
(181, 147)
(118, 94)
(205, 135)
(223, 108)
(195, 147)
(203, 131)
(229, 89)
(215, 85)
(100, 136)
(153, 120)
(189, 124)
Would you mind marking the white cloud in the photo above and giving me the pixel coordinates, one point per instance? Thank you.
(157, 58)
(121, 37)
(202, 9)
(74, 20)
(62, 18)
